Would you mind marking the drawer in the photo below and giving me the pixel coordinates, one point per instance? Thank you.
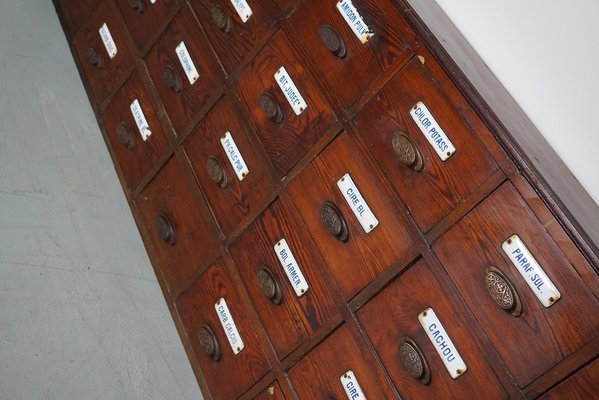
(583, 385)
(181, 233)
(284, 277)
(234, 172)
(391, 320)
(105, 50)
(221, 335)
(351, 63)
(236, 35)
(286, 136)
(473, 254)
(354, 256)
(75, 12)
(180, 56)
(287, 6)
(273, 392)
(407, 157)
(136, 135)
(319, 374)
(147, 18)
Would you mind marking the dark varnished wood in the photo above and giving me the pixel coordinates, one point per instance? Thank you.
(541, 337)
(239, 201)
(442, 185)
(285, 142)
(583, 385)
(182, 107)
(354, 75)
(172, 193)
(364, 256)
(75, 12)
(272, 392)
(393, 315)
(107, 78)
(196, 307)
(295, 319)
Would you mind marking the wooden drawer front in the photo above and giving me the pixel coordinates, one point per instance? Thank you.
(104, 74)
(288, 318)
(538, 339)
(352, 68)
(75, 12)
(146, 19)
(273, 392)
(181, 234)
(392, 316)
(182, 99)
(317, 375)
(233, 39)
(439, 186)
(363, 256)
(227, 374)
(232, 200)
(287, 6)
(584, 385)
(285, 136)
(134, 154)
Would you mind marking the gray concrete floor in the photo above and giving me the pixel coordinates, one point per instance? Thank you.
(81, 313)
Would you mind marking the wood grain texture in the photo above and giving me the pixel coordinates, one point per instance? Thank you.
(75, 12)
(583, 385)
(272, 392)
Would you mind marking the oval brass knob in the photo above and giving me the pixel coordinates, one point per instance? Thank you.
(172, 79)
(271, 108)
(269, 285)
(209, 342)
(216, 171)
(333, 41)
(334, 222)
(413, 360)
(165, 229)
(125, 136)
(137, 5)
(407, 151)
(94, 58)
(502, 291)
(221, 18)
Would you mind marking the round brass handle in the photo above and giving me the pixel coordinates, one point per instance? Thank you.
(125, 136)
(334, 222)
(333, 41)
(270, 107)
(165, 229)
(413, 360)
(407, 151)
(269, 285)
(221, 18)
(502, 291)
(94, 58)
(172, 79)
(137, 5)
(209, 342)
(216, 171)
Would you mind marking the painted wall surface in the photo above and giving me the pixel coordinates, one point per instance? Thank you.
(81, 313)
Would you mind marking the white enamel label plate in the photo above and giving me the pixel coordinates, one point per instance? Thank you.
(187, 63)
(108, 41)
(228, 324)
(291, 267)
(531, 271)
(442, 343)
(355, 21)
(234, 155)
(292, 94)
(357, 203)
(432, 131)
(140, 120)
(351, 386)
(243, 9)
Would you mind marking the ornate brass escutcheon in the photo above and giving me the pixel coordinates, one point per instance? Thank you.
(216, 172)
(209, 342)
(413, 360)
(165, 229)
(94, 58)
(172, 79)
(333, 41)
(269, 285)
(270, 106)
(334, 222)
(125, 136)
(502, 291)
(407, 151)
(221, 18)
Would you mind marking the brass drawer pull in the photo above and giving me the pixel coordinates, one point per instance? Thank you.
(413, 360)
(407, 151)
(269, 285)
(216, 172)
(165, 229)
(137, 5)
(333, 41)
(172, 79)
(502, 291)
(125, 136)
(334, 222)
(94, 58)
(221, 18)
(209, 342)
(270, 107)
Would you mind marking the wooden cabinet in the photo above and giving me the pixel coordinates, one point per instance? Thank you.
(330, 211)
